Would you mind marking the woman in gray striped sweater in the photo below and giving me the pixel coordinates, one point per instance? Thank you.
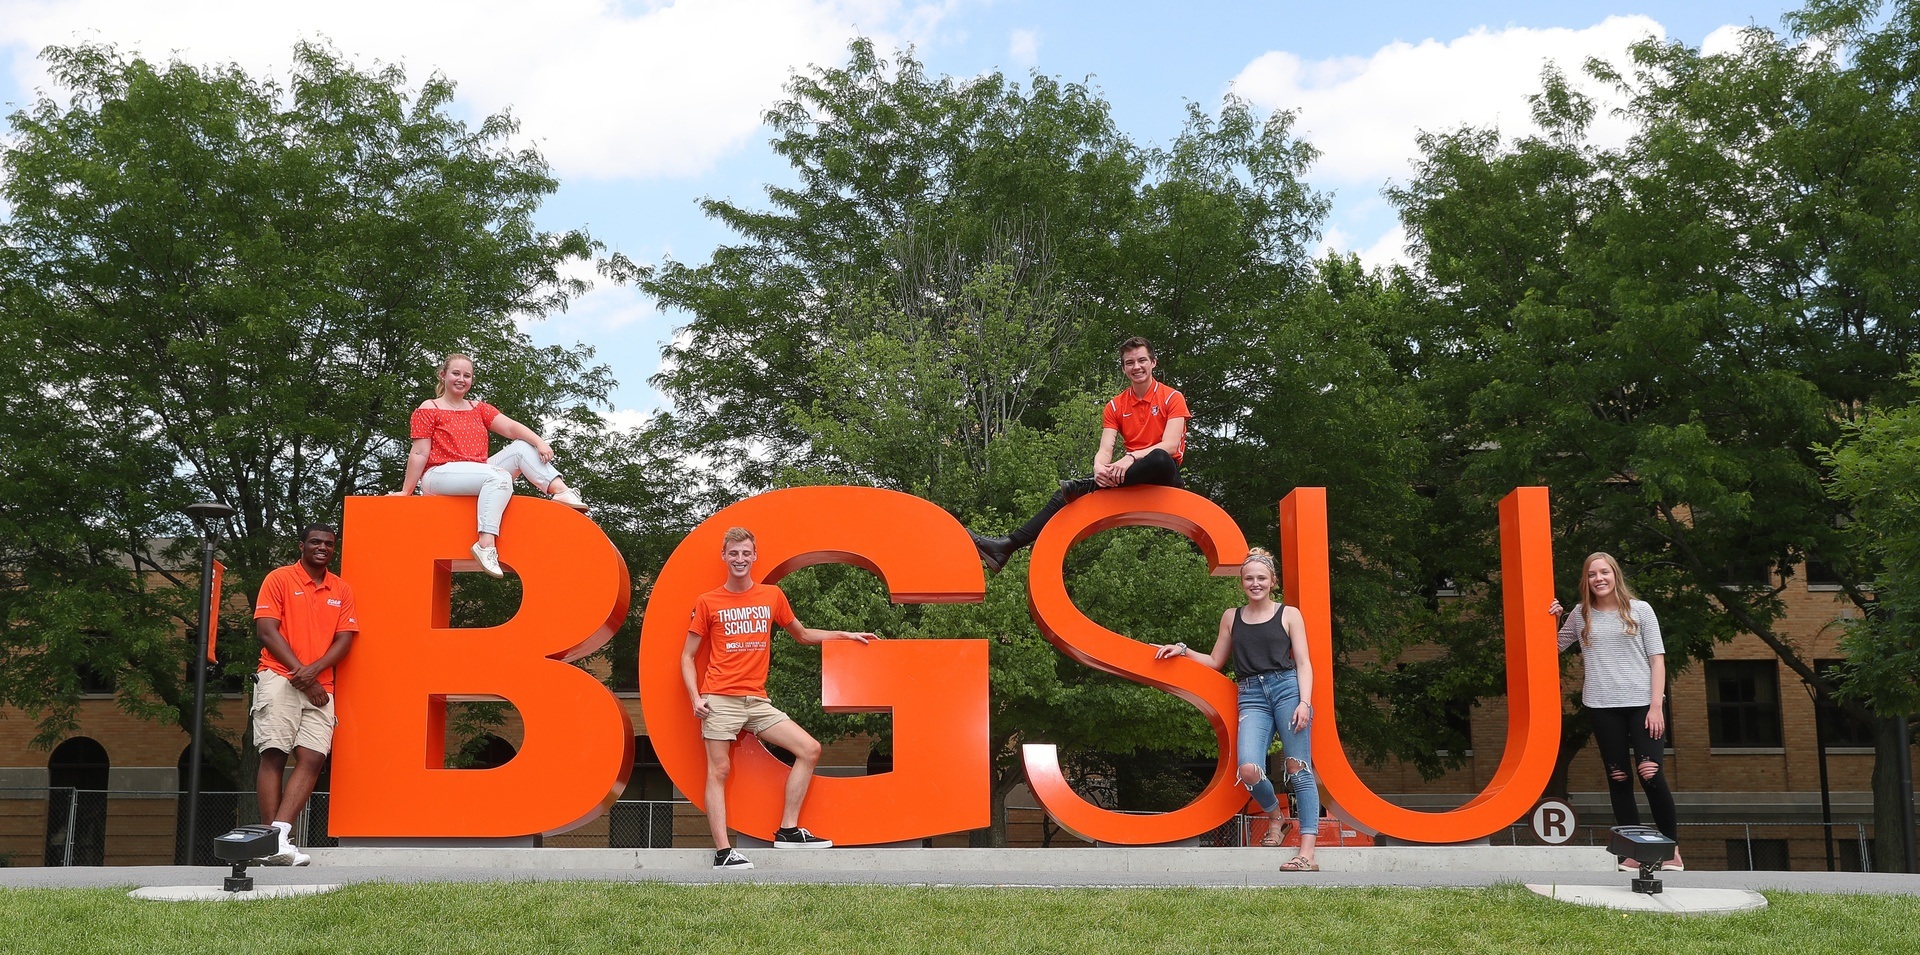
(1625, 691)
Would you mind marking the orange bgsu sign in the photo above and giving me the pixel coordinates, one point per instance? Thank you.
(578, 748)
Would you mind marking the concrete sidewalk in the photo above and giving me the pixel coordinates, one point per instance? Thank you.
(1104, 867)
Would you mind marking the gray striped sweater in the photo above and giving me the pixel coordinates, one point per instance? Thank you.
(1617, 667)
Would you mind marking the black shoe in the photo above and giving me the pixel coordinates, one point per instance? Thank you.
(1071, 491)
(798, 838)
(993, 550)
(729, 859)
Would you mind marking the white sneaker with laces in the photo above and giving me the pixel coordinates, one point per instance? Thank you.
(571, 498)
(285, 854)
(489, 558)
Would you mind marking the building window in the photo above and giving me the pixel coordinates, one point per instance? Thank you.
(1851, 849)
(1757, 855)
(1743, 703)
(1837, 726)
(1747, 573)
(1821, 576)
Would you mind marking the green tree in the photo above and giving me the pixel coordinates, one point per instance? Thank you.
(219, 286)
(933, 309)
(1665, 332)
(1876, 472)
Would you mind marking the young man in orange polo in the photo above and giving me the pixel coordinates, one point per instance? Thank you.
(305, 620)
(1151, 421)
(735, 621)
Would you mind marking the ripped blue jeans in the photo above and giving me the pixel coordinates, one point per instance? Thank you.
(1267, 702)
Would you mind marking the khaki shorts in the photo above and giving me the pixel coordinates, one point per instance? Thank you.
(283, 718)
(728, 715)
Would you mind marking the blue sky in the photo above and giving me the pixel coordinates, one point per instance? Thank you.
(646, 107)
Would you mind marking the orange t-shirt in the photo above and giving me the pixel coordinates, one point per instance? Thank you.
(453, 435)
(1142, 422)
(309, 614)
(738, 628)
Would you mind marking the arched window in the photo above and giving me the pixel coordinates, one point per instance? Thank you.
(77, 803)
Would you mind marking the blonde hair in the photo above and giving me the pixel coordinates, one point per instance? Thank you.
(1623, 594)
(439, 379)
(1263, 556)
(737, 534)
(1260, 555)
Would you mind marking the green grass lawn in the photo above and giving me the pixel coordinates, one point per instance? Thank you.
(521, 918)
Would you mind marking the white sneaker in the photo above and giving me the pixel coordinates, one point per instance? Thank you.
(286, 854)
(489, 558)
(301, 858)
(571, 498)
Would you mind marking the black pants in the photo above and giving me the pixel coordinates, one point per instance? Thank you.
(1154, 467)
(1616, 730)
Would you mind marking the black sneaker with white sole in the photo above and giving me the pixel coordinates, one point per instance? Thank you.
(729, 859)
(798, 838)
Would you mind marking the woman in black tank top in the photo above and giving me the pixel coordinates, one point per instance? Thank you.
(1267, 643)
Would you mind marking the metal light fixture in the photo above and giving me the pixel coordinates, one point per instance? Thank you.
(1648, 847)
(205, 514)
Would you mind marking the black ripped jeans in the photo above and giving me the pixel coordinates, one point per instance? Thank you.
(1616, 731)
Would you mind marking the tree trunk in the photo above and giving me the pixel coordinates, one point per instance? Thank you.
(1892, 810)
(995, 835)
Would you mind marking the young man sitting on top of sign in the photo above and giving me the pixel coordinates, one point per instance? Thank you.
(1148, 416)
(735, 621)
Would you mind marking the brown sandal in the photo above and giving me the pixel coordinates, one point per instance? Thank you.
(1276, 833)
(1299, 864)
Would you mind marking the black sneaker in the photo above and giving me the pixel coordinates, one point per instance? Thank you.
(729, 859)
(798, 838)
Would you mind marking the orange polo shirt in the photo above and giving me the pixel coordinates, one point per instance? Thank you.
(309, 614)
(1142, 422)
(738, 630)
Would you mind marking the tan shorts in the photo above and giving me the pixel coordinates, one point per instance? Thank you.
(728, 715)
(283, 718)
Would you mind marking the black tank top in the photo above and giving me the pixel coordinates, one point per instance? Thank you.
(1259, 647)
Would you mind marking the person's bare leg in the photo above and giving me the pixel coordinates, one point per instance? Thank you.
(266, 782)
(719, 764)
(306, 774)
(806, 755)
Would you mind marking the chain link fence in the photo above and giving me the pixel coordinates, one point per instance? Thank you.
(1746, 846)
(61, 826)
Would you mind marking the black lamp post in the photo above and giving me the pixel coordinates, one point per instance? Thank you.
(204, 514)
(1826, 794)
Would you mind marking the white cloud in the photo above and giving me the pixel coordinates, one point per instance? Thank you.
(628, 419)
(1364, 113)
(1024, 48)
(606, 90)
(1726, 39)
(607, 308)
(1389, 249)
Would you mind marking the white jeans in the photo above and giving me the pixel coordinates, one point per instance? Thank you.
(492, 482)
